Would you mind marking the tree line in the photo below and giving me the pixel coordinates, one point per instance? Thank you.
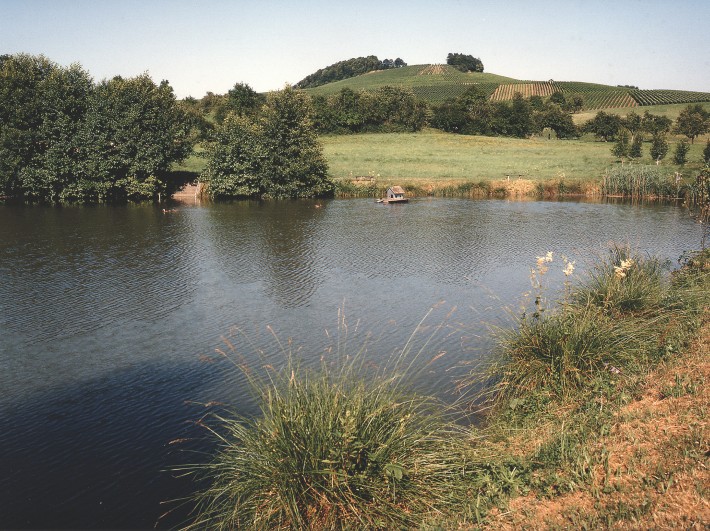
(630, 132)
(64, 137)
(347, 69)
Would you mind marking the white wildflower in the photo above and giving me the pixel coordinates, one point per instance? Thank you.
(569, 269)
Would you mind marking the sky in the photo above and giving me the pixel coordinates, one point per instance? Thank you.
(210, 45)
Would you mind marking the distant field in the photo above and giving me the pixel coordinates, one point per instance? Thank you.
(432, 156)
(671, 111)
(437, 83)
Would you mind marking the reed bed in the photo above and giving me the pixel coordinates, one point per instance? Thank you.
(639, 182)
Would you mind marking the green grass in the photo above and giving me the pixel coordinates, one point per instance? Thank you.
(340, 446)
(411, 77)
(608, 323)
(624, 282)
(435, 157)
(436, 83)
(446, 162)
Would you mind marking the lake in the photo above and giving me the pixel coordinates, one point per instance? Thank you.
(111, 317)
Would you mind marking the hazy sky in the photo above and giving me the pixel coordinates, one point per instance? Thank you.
(210, 45)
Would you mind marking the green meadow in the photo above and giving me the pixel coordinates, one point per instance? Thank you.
(433, 157)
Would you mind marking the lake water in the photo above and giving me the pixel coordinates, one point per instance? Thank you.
(110, 317)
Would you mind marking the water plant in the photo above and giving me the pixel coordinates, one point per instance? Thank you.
(622, 282)
(631, 180)
(333, 447)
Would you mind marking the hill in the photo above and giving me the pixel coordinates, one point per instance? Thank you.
(437, 83)
(433, 83)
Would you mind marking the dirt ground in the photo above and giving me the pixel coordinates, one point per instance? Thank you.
(655, 471)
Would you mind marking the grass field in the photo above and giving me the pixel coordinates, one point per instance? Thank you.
(412, 77)
(435, 157)
(432, 160)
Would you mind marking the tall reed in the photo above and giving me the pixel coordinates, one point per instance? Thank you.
(636, 181)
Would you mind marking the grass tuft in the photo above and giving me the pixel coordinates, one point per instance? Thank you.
(623, 282)
(333, 448)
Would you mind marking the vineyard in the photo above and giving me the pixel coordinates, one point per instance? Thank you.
(506, 92)
(666, 97)
(438, 83)
(597, 96)
(441, 93)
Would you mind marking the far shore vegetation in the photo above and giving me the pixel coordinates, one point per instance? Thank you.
(65, 138)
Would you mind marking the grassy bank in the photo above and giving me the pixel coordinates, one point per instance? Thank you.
(596, 417)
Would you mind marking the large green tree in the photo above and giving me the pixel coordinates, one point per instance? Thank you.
(693, 121)
(276, 154)
(133, 132)
(604, 126)
(64, 138)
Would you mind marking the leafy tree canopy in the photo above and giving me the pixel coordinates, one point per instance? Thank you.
(693, 121)
(604, 126)
(64, 138)
(347, 69)
(464, 63)
(274, 154)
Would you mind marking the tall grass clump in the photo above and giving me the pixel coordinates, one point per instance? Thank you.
(606, 324)
(638, 182)
(557, 353)
(623, 282)
(333, 448)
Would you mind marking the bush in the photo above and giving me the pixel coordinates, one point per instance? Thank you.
(558, 353)
(333, 449)
(624, 282)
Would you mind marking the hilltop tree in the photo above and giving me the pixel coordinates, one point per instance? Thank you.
(693, 121)
(464, 63)
(347, 69)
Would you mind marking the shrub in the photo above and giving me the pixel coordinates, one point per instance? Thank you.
(624, 282)
(333, 449)
(559, 352)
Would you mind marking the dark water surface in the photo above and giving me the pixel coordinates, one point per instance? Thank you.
(110, 317)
